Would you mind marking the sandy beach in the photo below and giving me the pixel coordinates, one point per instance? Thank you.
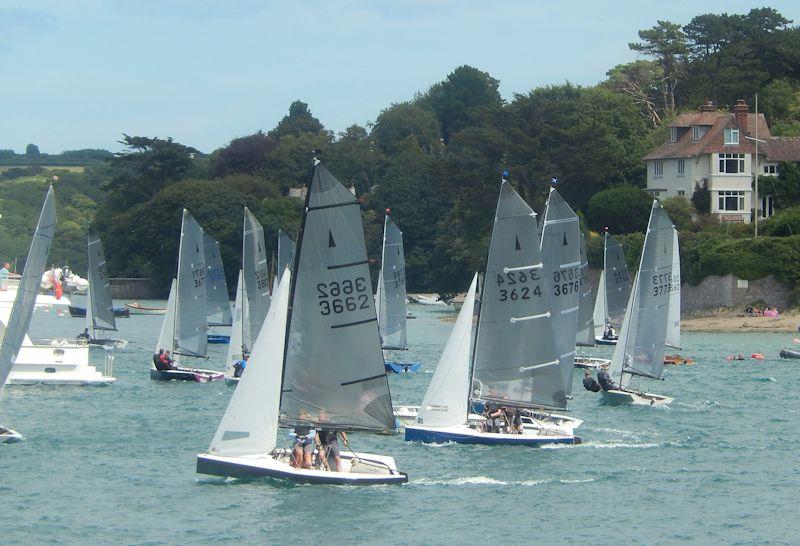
(724, 320)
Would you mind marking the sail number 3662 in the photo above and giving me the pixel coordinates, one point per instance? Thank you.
(338, 297)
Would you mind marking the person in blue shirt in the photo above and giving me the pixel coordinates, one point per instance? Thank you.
(240, 365)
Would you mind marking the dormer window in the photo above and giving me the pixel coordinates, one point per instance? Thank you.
(695, 132)
(731, 136)
(673, 134)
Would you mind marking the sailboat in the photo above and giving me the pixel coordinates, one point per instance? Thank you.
(391, 297)
(640, 350)
(585, 333)
(317, 360)
(240, 342)
(255, 271)
(674, 320)
(25, 298)
(561, 256)
(99, 304)
(218, 306)
(515, 362)
(612, 291)
(183, 331)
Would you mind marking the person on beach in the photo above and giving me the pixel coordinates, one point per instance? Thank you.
(589, 382)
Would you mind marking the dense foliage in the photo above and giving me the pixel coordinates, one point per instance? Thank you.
(435, 161)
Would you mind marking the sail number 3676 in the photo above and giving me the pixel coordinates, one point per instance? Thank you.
(339, 297)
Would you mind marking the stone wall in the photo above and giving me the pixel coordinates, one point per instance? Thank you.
(134, 289)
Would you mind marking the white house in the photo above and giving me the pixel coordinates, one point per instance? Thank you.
(716, 149)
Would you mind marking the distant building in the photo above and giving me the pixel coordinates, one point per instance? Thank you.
(708, 148)
(299, 192)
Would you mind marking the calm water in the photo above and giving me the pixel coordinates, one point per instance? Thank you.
(116, 464)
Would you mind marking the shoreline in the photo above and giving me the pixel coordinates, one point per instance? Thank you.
(724, 320)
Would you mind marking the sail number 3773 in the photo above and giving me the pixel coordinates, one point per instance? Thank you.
(662, 284)
(340, 297)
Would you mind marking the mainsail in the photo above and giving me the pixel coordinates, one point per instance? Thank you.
(166, 338)
(640, 349)
(218, 305)
(515, 360)
(22, 309)
(240, 342)
(560, 247)
(392, 288)
(674, 319)
(250, 423)
(190, 315)
(617, 281)
(445, 402)
(100, 307)
(585, 333)
(333, 372)
(256, 275)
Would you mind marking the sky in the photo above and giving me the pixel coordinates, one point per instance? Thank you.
(79, 74)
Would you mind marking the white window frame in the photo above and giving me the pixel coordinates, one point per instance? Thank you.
(771, 168)
(731, 137)
(724, 197)
(726, 160)
(658, 168)
(682, 192)
(695, 132)
(681, 167)
(673, 134)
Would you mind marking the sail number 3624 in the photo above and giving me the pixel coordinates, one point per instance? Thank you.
(511, 285)
(339, 297)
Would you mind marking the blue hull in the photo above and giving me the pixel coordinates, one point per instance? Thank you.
(218, 338)
(441, 437)
(401, 367)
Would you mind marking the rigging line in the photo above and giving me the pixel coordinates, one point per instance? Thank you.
(347, 324)
(339, 266)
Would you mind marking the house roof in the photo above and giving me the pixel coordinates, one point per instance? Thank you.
(713, 140)
(783, 149)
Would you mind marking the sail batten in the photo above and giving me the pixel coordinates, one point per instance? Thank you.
(514, 290)
(333, 376)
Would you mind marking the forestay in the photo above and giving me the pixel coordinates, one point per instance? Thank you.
(240, 330)
(190, 316)
(560, 247)
(22, 309)
(674, 319)
(585, 333)
(515, 360)
(250, 423)
(218, 305)
(254, 268)
(334, 373)
(100, 304)
(445, 401)
(392, 288)
(166, 338)
(640, 349)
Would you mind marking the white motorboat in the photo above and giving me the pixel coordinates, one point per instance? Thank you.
(19, 319)
(612, 292)
(591, 362)
(137, 308)
(640, 351)
(334, 379)
(515, 363)
(56, 362)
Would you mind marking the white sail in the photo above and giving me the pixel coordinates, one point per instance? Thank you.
(674, 320)
(561, 256)
(240, 330)
(218, 305)
(585, 334)
(392, 288)
(190, 310)
(99, 305)
(445, 401)
(250, 423)
(640, 348)
(254, 269)
(22, 310)
(617, 280)
(166, 339)
(600, 314)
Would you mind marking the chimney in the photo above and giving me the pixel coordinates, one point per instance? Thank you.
(708, 106)
(740, 110)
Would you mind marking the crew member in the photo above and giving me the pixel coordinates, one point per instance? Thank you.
(240, 365)
(328, 445)
(303, 447)
(85, 335)
(589, 382)
(605, 381)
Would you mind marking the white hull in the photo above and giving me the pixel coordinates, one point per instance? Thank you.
(427, 300)
(549, 422)
(600, 340)
(141, 310)
(591, 362)
(60, 363)
(636, 398)
(361, 469)
(464, 434)
(231, 380)
(9, 436)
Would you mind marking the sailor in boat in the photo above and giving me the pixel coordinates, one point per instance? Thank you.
(328, 446)
(164, 362)
(589, 382)
(85, 335)
(513, 420)
(609, 333)
(240, 365)
(605, 381)
(303, 447)
(494, 418)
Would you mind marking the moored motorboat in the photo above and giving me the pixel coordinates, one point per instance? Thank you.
(137, 308)
(789, 353)
(591, 362)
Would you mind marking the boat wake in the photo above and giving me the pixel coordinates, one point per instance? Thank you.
(608, 445)
(485, 480)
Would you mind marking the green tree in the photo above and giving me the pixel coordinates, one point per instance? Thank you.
(243, 155)
(400, 121)
(624, 209)
(666, 43)
(680, 211)
(32, 150)
(639, 80)
(299, 120)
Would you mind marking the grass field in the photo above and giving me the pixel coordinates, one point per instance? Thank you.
(72, 169)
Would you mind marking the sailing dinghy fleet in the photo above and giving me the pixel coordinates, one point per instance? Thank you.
(309, 347)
